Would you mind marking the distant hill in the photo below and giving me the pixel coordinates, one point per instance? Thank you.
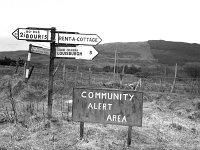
(148, 53)
(128, 53)
(168, 52)
(132, 53)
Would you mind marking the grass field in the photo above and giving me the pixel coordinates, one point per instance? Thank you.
(170, 120)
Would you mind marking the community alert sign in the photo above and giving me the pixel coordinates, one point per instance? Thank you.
(110, 106)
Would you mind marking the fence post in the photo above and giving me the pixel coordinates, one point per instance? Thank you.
(174, 82)
(17, 67)
(64, 72)
(76, 76)
(89, 77)
(165, 73)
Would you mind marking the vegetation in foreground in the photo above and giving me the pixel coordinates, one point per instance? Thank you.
(170, 121)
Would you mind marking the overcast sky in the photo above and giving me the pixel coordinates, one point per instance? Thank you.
(112, 20)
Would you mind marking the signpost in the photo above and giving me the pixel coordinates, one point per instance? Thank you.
(78, 39)
(78, 52)
(56, 38)
(33, 34)
(39, 50)
(108, 106)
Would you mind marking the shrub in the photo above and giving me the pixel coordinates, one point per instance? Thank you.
(127, 70)
(192, 69)
(131, 70)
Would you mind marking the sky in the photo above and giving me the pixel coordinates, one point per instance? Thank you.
(111, 20)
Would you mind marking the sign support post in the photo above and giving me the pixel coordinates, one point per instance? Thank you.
(129, 136)
(81, 130)
(51, 71)
(28, 64)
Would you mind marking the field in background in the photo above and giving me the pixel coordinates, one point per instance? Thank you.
(170, 119)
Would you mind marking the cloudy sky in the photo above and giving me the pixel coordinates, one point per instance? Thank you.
(112, 20)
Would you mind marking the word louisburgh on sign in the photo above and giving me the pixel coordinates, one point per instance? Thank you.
(78, 52)
(109, 106)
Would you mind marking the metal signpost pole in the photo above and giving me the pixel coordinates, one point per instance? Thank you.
(51, 71)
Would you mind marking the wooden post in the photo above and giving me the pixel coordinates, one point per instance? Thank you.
(89, 83)
(114, 65)
(121, 77)
(174, 82)
(129, 136)
(81, 130)
(28, 64)
(165, 73)
(51, 71)
(76, 76)
(17, 67)
(43, 110)
(30, 73)
(61, 107)
(54, 72)
(82, 124)
(64, 72)
(64, 91)
(24, 70)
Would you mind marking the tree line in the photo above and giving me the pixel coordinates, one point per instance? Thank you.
(192, 69)
(6, 61)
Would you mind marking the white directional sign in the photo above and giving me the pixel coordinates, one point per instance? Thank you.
(32, 34)
(78, 52)
(40, 50)
(79, 39)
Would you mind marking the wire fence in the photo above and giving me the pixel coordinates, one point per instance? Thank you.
(176, 127)
(160, 83)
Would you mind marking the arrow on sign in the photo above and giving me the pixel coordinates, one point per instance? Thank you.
(79, 39)
(16, 34)
(41, 35)
(78, 52)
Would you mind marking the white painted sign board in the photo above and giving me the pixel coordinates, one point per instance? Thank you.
(78, 39)
(32, 34)
(40, 50)
(78, 52)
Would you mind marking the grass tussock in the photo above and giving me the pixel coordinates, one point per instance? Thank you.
(170, 122)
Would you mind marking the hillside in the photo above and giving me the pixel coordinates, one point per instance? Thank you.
(137, 53)
(128, 53)
(168, 52)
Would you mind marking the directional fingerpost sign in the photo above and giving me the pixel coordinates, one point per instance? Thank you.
(40, 50)
(78, 39)
(32, 34)
(78, 52)
(62, 45)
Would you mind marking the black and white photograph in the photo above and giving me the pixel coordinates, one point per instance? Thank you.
(100, 75)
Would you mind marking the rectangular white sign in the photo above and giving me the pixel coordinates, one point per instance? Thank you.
(40, 50)
(79, 39)
(78, 52)
(32, 34)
